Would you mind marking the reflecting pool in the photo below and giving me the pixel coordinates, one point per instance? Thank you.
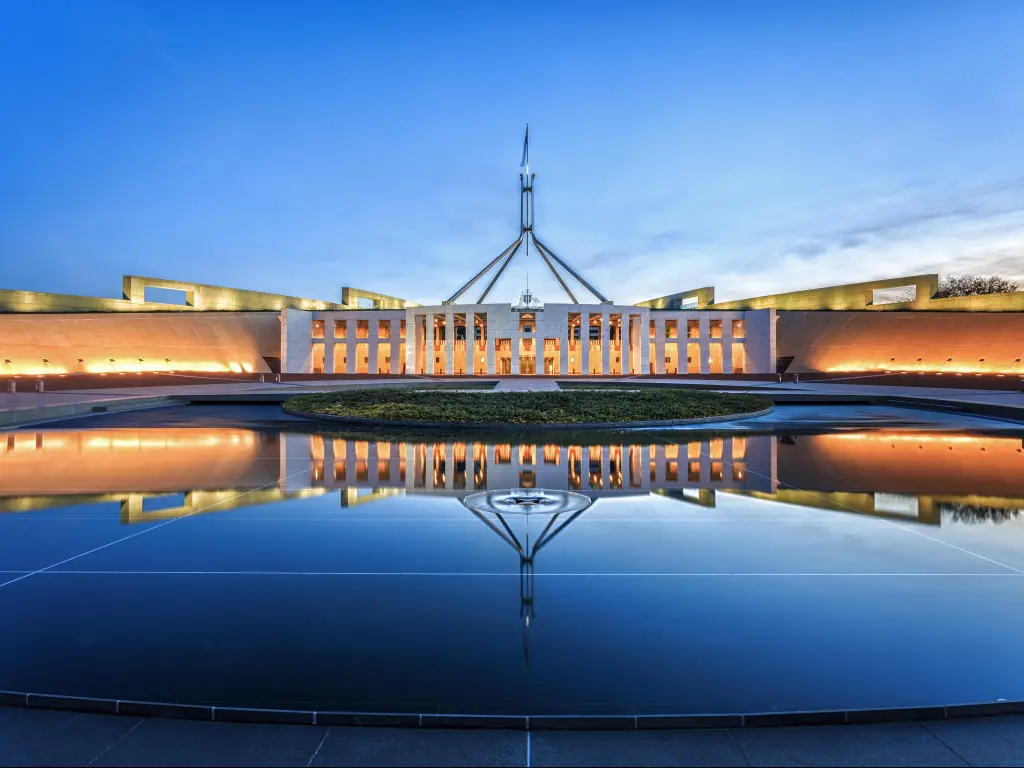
(210, 558)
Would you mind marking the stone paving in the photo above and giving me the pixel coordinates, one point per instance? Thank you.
(25, 408)
(42, 737)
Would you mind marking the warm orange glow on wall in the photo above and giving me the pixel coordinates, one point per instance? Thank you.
(859, 367)
(29, 370)
(153, 366)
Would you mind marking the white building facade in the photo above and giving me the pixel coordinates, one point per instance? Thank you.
(557, 340)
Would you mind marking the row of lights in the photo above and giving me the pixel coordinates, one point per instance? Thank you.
(919, 367)
(113, 366)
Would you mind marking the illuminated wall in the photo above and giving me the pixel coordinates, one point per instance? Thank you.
(128, 342)
(849, 297)
(947, 342)
(195, 297)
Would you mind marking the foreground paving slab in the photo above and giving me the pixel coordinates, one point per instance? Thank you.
(41, 737)
(656, 748)
(411, 746)
(48, 737)
(983, 741)
(196, 743)
(888, 744)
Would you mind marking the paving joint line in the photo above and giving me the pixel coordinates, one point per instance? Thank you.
(115, 742)
(854, 511)
(320, 745)
(146, 530)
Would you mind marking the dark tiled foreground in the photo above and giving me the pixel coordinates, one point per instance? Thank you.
(36, 736)
(508, 722)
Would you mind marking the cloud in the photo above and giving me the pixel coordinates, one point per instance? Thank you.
(915, 229)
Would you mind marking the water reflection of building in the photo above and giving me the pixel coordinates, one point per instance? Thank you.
(162, 473)
(908, 475)
(461, 467)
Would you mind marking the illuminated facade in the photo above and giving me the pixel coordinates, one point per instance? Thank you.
(846, 328)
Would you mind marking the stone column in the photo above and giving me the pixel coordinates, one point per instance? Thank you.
(371, 346)
(490, 349)
(329, 345)
(411, 341)
(705, 343)
(564, 338)
(515, 347)
(428, 338)
(584, 343)
(659, 345)
(727, 345)
(472, 355)
(645, 343)
(449, 341)
(606, 343)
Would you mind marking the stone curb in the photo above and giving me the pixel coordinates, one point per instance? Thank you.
(483, 425)
(42, 414)
(509, 722)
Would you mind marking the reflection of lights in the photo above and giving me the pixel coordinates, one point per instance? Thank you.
(919, 438)
(28, 370)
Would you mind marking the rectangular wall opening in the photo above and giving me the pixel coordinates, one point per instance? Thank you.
(693, 358)
(165, 296)
(503, 357)
(714, 358)
(671, 358)
(737, 357)
(552, 357)
(895, 295)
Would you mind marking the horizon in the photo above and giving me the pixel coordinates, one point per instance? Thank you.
(294, 150)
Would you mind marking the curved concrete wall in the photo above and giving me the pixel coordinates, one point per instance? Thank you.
(188, 341)
(953, 342)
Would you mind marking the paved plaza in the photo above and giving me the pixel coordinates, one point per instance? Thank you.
(40, 737)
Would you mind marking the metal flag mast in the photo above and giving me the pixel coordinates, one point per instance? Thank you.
(526, 234)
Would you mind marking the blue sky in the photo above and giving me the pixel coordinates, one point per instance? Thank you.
(298, 147)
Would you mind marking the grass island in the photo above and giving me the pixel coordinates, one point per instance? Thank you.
(572, 407)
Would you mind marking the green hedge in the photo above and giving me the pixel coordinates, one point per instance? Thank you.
(578, 406)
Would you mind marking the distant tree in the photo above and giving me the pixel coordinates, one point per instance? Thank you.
(963, 285)
(972, 285)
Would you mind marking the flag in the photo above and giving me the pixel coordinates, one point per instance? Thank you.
(525, 163)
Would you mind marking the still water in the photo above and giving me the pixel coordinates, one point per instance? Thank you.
(208, 558)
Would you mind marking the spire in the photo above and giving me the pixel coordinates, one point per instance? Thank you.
(525, 163)
(526, 234)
